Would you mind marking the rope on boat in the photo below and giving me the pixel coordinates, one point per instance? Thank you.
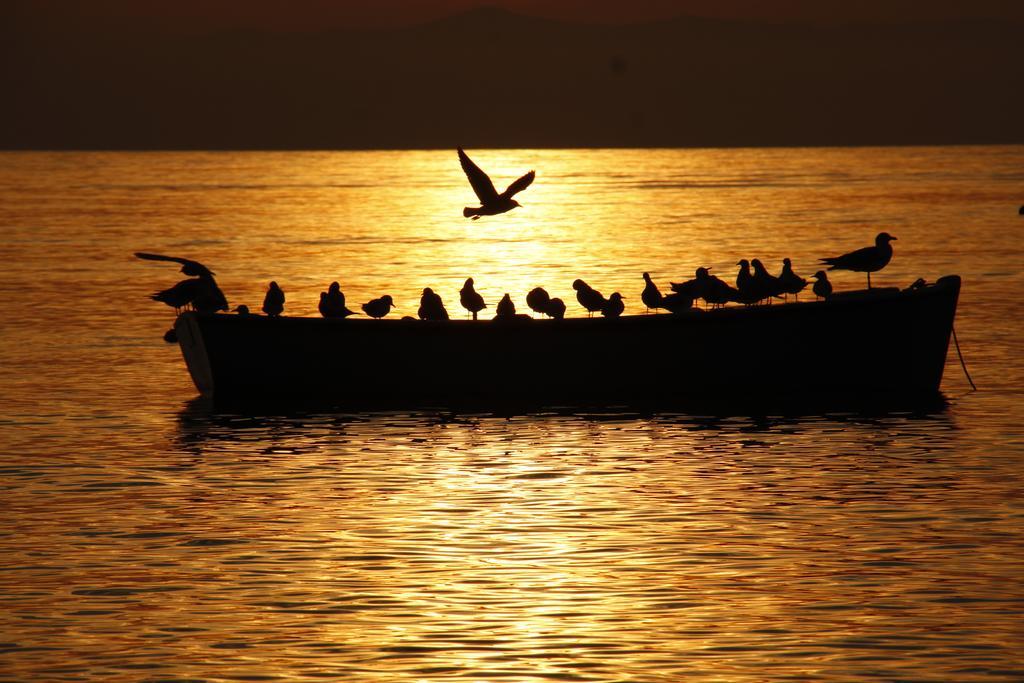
(962, 363)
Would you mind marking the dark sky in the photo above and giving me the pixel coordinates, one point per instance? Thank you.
(320, 74)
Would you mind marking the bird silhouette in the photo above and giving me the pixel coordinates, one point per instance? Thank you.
(378, 308)
(273, 302)
(538, 299)
(714, 290)
(692, 288)
(555, 308)
(651, 296)
(242, 309)
(790, 282)
(589, 298)
(614, 307)
(822, 287)
(505, 308)
(765, 282)
(867, 260)
(330, 308)
(470, 300)
(491, 202)
(200, 292)
(747, 290)
(677, 302)
(431, 306)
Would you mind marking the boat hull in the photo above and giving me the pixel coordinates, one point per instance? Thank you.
(870, 345)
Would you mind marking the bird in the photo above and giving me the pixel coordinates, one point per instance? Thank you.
(589, 298)
(491, 202)
(555, 308)
(677, 302)
(614, 307)
(747, 290)
(791, 282)
(242, 309)
(378, 308)
(822, 287)
(505, 308)
(538, 299)
(691, 288)
(273, 302)
(651, 296)
(714, 290)
(765, 282)
(867, 260)
(200, 292)
(470, 299)
(431, 306)
(329, 307)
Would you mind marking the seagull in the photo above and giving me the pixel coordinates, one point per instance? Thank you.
(589, 298)
(614, 307)
(822, 287)
(378, 308)
(747, 288)
(491, 202)
(505, 309)
(714, 290)
(273, 302)
(201, 291)
(471, 301)
(765, 282)
(651, 296)
(431, 306)
(677, 302)
(692, 288)
(867, 260)
(329, 307)
(538, 299)
(555, 308)
(791, 282)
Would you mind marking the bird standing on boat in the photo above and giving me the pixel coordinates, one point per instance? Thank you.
(555, 308)
(200, 291)
(491, 202)
(378, 308)
(614, 307)
(589, 298)
(714, 290)
(867, 260)
(651, 296)
(692, 288)
(273, 302)
(822, 287)
(790, 282)
(505, 308)
(747, 290)
(470, 299)
(431, 306)
(538, 299)
(765, 282)
(677, 302)
(329, 307)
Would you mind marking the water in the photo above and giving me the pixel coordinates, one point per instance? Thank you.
(147, 537)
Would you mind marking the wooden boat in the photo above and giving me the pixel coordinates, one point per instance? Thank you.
(880, 344)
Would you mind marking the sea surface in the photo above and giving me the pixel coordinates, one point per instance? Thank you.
(146, 536)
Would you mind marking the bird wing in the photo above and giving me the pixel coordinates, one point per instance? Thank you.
(853, 260)
(195, 267)
(519, 185)
(481, 183)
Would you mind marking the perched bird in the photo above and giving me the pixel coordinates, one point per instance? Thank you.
(614, 307)
(538, 299)
(692, 288)
(273, 302)
(791, 282)
(677, 302)
(651, 296)
(822, 287)
(491, 202)
(589, 298)
(242, 309)
(335, 295)
(747, 290)
(201, 292)
(471, 301)
(329, 308)
(765, 282)
(431, 306)
(867, 260)
(555, 308)
(714, 290)
(505, 309)
(378, 308)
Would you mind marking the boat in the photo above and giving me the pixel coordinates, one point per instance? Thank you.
(862, 347)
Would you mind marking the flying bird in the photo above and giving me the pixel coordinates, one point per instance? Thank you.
(378, 308)
(822, 287)
(491, 202)
(867, 260)
(470, 299)
(273, 302)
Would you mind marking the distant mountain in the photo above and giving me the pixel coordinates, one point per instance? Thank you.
(493, 79)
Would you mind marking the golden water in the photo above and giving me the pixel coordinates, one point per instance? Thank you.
(147, 537)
